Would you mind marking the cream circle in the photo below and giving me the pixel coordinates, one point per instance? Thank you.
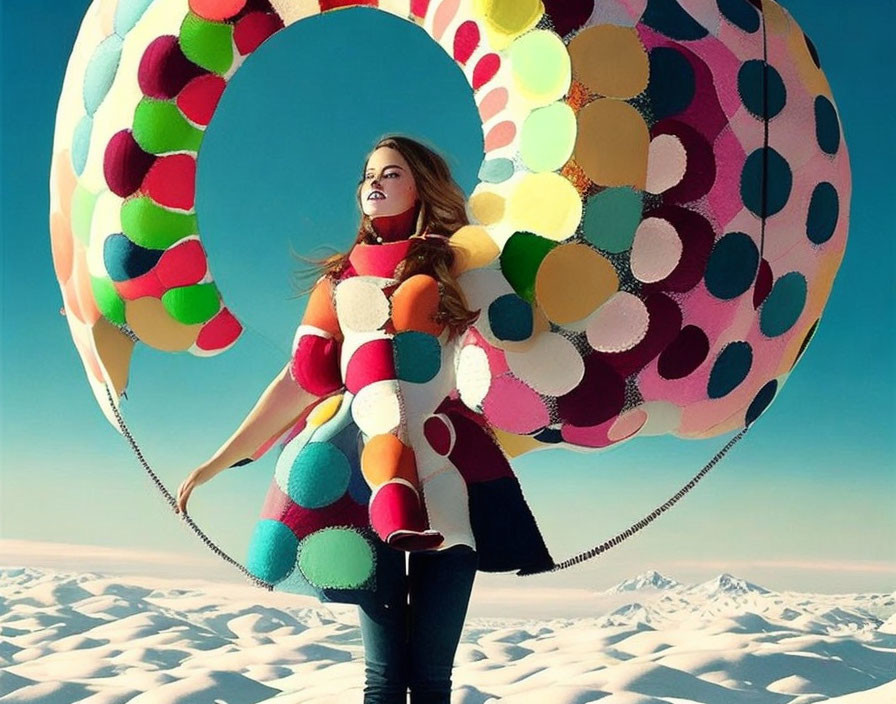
(551, 365)
(656, 250)
(361, 305)
(619, 324)
(474, 376)
(376, 408)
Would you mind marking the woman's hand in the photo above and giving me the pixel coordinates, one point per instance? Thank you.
(198, 476)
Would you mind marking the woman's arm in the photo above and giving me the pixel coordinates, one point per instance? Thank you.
(311, 373)
(281, 403)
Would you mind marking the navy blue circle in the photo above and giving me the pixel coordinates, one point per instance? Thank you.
(730, 369)
(671, 19)
(740, 13)
(672, 83)
(827, 125)
(750, 79)
(809, 335)
(549, 435)
(510, 317)
(813, 52)
(762, 400)
(824, 210)
(778, 185)
(732, 266)
(125, 260)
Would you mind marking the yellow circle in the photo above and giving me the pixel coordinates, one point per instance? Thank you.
(509, 17)
(325, 410)
(487, 207)
(545, 204)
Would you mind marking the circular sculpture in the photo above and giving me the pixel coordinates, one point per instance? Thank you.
(663, 206)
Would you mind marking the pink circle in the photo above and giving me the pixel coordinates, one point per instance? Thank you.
(512, 406)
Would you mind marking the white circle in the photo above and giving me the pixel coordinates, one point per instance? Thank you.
(361, 305)
(656, 250)
(474, 377)
(552, 365)
(376, 408)
(619, 324)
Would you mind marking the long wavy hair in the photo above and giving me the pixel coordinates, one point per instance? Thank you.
(442, 211)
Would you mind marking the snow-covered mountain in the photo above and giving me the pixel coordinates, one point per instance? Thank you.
(647, 580)
(95, 639)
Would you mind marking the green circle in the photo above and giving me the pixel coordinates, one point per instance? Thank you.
(541, 65)
(548, 137)
(336, 558)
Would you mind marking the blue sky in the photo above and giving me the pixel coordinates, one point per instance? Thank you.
(804, 501)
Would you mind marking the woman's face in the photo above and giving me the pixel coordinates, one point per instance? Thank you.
(388, 187)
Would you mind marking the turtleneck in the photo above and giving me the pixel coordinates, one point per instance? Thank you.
(397, 227)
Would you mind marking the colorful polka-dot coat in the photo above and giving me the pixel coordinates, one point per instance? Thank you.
(389, 420)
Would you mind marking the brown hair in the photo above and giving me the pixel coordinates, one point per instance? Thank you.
(442, 211)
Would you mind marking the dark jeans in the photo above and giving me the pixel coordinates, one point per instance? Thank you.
(413, 645)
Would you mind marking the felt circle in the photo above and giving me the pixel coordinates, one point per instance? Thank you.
(548, 136)
(510, 318)
(730, 369)
(684, 354)
(612, 217)
(360, 304)
(551, 365)
(376, 408)
(541, 68)
(473, 375)
(827, 125)
(573, 280)
(353, 568)
(761, 402)
(546, 204)
(619, 324)
(656, 250)
(824, 211)
(732, 266)
(418, 356)
(610, 60)
(766, 182)
(783, 305)
(513, 406)
(319, 475)
(672, 82)
(272, 550)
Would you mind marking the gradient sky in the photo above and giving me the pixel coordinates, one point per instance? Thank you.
(805, 501)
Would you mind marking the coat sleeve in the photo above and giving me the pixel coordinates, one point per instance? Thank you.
(317, 343)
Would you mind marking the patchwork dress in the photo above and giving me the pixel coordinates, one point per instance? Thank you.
(389, 422)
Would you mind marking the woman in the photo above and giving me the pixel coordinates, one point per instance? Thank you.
(378, 330)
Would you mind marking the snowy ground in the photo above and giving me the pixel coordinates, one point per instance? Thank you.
(86, 637)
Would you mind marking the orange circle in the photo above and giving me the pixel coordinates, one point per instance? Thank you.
(386, 457)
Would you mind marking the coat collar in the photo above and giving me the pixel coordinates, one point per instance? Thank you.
(378, 259)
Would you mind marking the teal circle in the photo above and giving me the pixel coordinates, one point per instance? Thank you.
(127, 13)
(418, 356)
(496, 170)
(81, 144)
(612, 217)
(319, 475)
(272, 550)
(100, 72)
(336, 558)
(783, 305)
